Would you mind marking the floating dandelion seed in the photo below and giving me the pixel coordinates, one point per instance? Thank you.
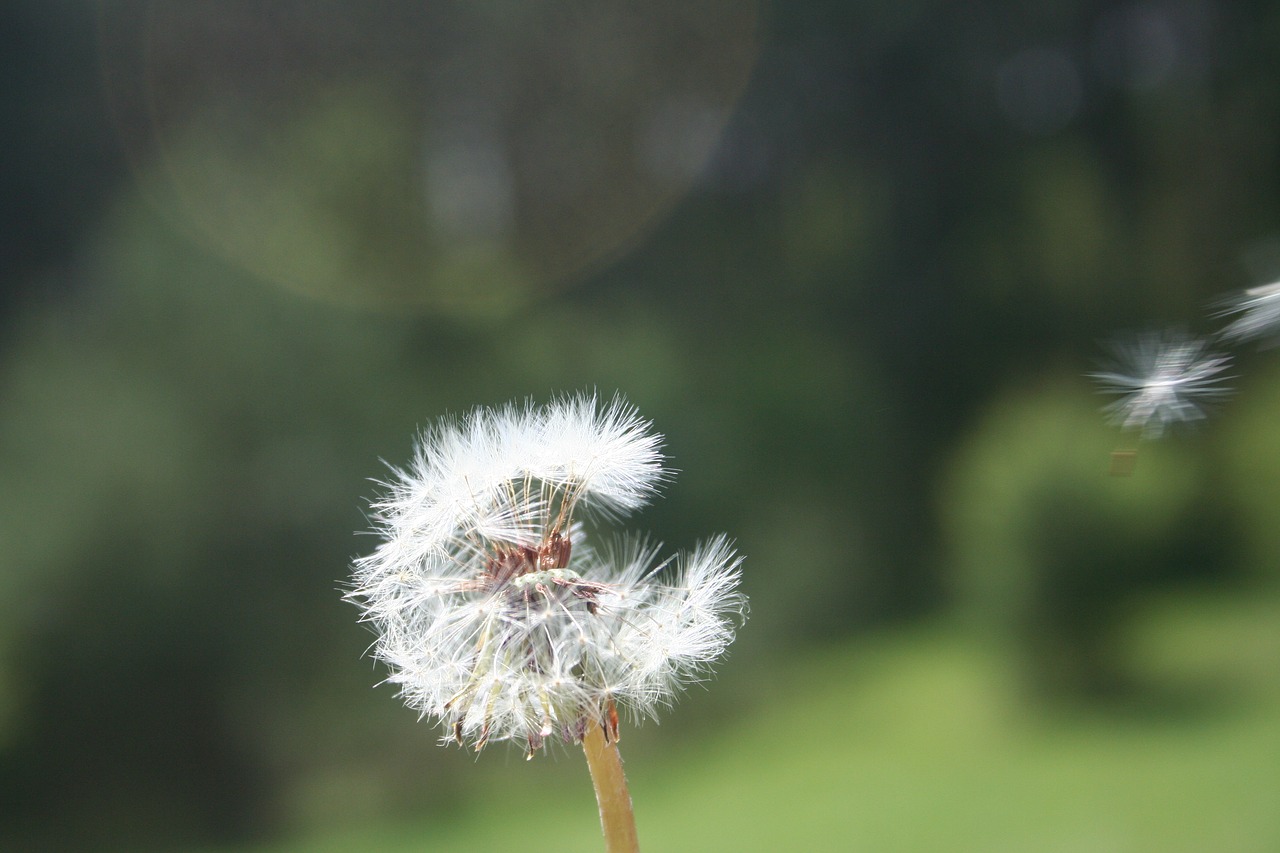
(1259, 313)
(497, 615)
(1163, 378)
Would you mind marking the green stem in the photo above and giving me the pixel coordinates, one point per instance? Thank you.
(617, 820)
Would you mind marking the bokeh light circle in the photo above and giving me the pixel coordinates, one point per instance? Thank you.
(450, 156)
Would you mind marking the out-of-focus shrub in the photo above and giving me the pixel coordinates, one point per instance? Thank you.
(1049, 548)
(1251, 453)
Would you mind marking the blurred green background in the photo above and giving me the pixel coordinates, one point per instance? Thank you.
(853, 259)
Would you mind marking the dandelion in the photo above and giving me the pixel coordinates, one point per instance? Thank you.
(501, 619)
(1259, 313)
(1162, 379)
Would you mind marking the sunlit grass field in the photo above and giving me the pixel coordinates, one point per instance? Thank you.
(920, 741)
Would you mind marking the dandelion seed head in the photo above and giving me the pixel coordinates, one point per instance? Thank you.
(1162, 379)
(496, 615)
(1256, 311)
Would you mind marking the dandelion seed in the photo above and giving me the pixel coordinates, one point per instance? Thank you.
(1162, 379)
(1259, 313)
(498, 616)
(1123, 462)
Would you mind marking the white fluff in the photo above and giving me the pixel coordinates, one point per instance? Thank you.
(1162, 379)
(494, 613)
(1258, 314)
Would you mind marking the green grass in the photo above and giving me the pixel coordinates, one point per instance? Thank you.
(919, 742)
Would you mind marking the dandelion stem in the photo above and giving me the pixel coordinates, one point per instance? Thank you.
(617, 820)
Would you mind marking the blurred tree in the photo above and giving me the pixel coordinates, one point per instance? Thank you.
(58, 162)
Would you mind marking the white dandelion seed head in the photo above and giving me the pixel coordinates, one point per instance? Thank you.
(1162, 378)
(494, 613)
(1256, 312)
